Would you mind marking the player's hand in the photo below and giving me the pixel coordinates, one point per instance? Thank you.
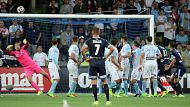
(25, 41)
(87, 59)
(79, 62)
(120, 68)
(9, 47)
(140, 68)
(167, 67)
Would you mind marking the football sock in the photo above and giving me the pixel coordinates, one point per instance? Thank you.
(34, 86)
(125, 86)
(99, 86)
(53, 87)
(94, 89)
(144, 85)
(178, 88)
(155, 85)
(106, 90)
(72, 88)
(113, 84)
(136, 88)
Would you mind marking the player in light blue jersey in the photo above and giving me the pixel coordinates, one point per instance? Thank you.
(136, 74)
(149, 55)
(72, 66)
(53, 56)
(125, 54)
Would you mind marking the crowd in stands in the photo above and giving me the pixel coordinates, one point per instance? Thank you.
(172, 21)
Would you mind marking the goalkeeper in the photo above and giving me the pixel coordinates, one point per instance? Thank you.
(29, 65)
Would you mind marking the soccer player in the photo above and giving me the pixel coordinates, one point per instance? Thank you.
(125, 53)
(53, 56)
(176, 60)
(136, 74)
(29, 65)
(161, 65)
(0, 86)
(96, 46)
(72, 66)
(149, 55)
(115, 69)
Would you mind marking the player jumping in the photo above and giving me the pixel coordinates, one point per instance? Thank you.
(29, 65)
(53, 56)
(149, 55)
(96, 46)
(73, 66)
(176, 60)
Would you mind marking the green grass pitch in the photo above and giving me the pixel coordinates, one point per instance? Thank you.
(85, 100)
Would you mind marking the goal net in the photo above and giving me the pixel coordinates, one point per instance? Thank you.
(41, 29)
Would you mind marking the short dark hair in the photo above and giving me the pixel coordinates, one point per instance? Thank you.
(149, 38)
(54, 42)
(114, 41)
(172, 44)
(124, 38)
(136, 43)
(75, 39)
(157, 41)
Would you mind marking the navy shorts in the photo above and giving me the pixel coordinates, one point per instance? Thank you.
(163, 72)
(97, 72)
(180, 71)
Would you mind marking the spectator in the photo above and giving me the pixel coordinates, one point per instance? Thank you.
(138, 5)
(81, 32)
(155, 11)
(130, 8)
(80, 7)
(52, 9)
(4, 32)
(166, 8)
(186, 55)
(10, 7)
(174, 15)
(107, 5)
(143, 42)
(185, 19)
(176, 6)
(40, 57)
(55, 3)
(81, 42)
(33, 35)
(12, 29)
(3, 8)
(160, 2)
(66, 8)
(121, 6)
(92, 5)
(160, 22)
(169, 33)
(182, 3)
(182, 37)
(66, 40)
(19, 37)
(148, 3)
(179, 48)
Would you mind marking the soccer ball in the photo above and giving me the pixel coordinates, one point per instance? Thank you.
(20, 9)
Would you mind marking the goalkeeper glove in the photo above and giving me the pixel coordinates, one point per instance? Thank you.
(25, 41)
(9, 47)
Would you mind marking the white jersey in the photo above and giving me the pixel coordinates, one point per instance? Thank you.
(115, 55)
(125, 49)
(75, 50)
(53, 55)
(136, 58)
(107, 62)
(40, 58)
(151, 52)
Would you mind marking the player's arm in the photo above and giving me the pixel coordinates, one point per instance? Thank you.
(111, 49)
(141, 60)
(73, 57)
(26, 44)
(173, 61)
(159, 54)
(115, 63)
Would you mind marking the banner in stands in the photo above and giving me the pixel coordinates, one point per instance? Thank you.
(16, 77)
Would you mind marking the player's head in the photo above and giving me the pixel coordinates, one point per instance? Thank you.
(54, 42)
(75, 39)
(114, 42)
(135, 44)
(39, 48)
(124, 39)
(148, 39)
(95, 31)
(157, 41)
(172, 45)
(17, 46)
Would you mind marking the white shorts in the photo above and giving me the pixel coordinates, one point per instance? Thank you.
(150, 69)
(126, 69)
(115, 74)
(136, 74)
(53, 70)
(73, 69)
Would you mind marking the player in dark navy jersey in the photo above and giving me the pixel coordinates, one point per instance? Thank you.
(176, 60)
(96, 46)
(161, 71)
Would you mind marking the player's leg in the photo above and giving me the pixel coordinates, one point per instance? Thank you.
(125, 78)
(34, 85)
(99, 86)
(55, 77)
(45, 74)
(154, 72)
(135, 76)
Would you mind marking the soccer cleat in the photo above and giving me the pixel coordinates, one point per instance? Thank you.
(50, 94)
(117, 95)
(181, 96)
(51, 81)
(155, 95)
(95, 103)
(39, 93)
(108, 103)
(125, 95)
(137, 95)
(110, 92)
(144, 94)
(74, 94)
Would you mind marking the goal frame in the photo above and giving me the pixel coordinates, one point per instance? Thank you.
(75, 16)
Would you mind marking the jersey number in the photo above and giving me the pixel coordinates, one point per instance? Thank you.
(97, 48)
(165, 53)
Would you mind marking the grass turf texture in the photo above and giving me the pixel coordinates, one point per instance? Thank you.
(85, 100)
